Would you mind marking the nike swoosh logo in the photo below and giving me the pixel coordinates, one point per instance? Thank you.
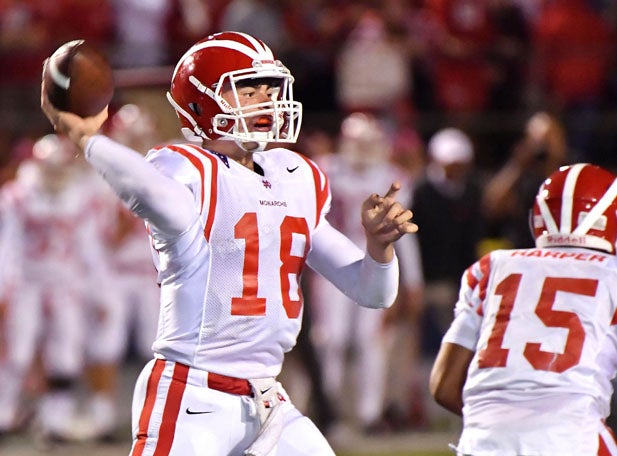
(292, 169)
(264, 391)
(191, 412)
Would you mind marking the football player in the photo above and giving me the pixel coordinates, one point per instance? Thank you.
(530, 355)
(49, 220)
(232, 224)
(363, 160)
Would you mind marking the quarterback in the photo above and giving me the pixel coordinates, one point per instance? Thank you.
(232, 221)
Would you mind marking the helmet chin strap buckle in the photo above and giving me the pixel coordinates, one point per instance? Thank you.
(191, 135)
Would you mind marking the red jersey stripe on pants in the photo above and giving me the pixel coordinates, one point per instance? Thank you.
(173, 392)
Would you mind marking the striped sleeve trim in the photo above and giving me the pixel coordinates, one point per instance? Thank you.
(322, 188)
(207, 166)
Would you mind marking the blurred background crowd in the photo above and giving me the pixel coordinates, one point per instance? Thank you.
(468, 103)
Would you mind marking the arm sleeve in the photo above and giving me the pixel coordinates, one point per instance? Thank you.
(355, 273)
(464, 330)
(164, 202)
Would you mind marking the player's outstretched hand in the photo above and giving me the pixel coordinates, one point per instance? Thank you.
(78, 129)
(385, 221)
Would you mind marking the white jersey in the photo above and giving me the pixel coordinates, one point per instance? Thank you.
(229, 266)
(55, 233)
(247, 223)
(542, 324)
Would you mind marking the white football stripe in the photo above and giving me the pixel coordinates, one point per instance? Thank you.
(58, 78)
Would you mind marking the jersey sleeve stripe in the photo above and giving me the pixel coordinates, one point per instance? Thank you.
(472, 280)
(195, 162)
(213, 190)
(485, 267)
(614, 319)
(197, 156)
(322, 188)
(146, 411)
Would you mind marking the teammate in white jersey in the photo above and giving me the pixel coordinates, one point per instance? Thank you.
(232, 225)
(530, 355)
(50, 226)
(362, 161)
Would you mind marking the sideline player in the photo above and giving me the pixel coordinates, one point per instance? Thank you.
(363, 160)
(50, 225)
(530, 355)
(232, 225)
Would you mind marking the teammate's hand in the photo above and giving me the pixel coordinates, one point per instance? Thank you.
(385, 221)
(78, 129)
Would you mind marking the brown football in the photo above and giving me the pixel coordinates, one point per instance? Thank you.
(78, 79)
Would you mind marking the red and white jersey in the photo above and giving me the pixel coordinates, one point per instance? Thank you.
(233, 275)
(53, 234)
(230, 245)
(542, 324)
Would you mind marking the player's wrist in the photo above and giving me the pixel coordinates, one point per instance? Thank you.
(82, 142)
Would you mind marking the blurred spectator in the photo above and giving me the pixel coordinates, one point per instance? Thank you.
(422, 31)
(462, 71)
(316, 27)
(262, 19)
(25, 41)
(508, 55)
(575, 49)
(151, 33)
(141, 38)
(447, 207)
(372, 68)
(90, 20)
(353, 342)
(511, 191)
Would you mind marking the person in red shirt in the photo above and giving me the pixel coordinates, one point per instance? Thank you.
(574, 52)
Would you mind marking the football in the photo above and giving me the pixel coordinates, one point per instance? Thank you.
(78, 79)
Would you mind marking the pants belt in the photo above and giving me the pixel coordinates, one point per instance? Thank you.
(219, 382)
(230, 385)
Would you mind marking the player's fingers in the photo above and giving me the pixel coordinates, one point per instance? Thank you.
(407, 228)
(404, 223)
(404, 216)
(394, 187)
(372, 202)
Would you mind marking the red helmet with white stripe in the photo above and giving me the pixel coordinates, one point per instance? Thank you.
(226, 61)
(576, 206)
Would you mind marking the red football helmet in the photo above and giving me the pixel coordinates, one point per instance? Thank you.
(576, 207)
(223, 61)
